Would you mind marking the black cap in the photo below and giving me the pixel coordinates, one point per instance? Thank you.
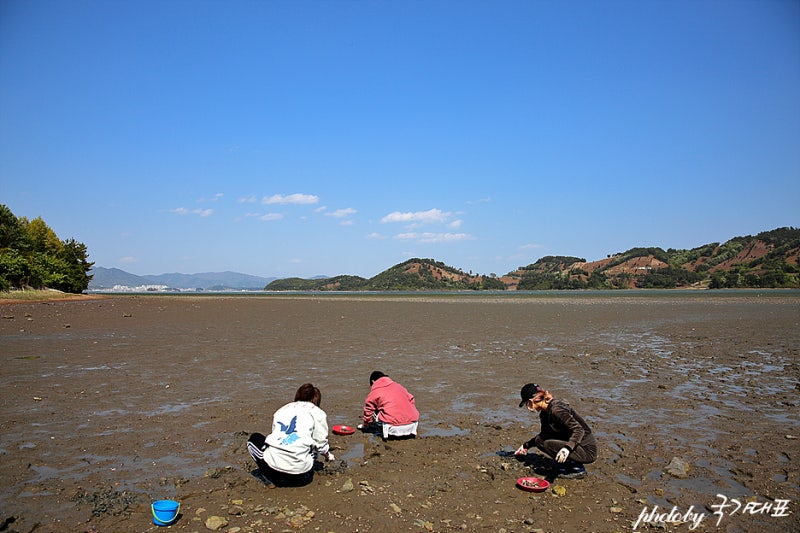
(528, 392)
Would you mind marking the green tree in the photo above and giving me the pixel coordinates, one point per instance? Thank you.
(41, 237)
(12, 234)
(14, 269)
(32, 255)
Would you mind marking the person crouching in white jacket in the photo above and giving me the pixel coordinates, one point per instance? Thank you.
(299, 434)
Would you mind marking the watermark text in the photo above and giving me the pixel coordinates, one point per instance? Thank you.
(723, 507)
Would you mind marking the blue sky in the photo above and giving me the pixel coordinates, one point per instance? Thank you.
(304, 138)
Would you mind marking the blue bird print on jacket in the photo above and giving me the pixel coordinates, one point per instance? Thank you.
(290, 430)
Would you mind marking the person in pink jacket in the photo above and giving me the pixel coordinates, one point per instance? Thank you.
(389, 407)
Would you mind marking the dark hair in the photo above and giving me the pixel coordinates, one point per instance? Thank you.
(375, 376)
(308, 393)
(529, 391)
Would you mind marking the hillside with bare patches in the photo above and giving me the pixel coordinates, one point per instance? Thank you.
(767, 260)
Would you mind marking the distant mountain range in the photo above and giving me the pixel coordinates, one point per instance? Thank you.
(108, 278)
(767, 260)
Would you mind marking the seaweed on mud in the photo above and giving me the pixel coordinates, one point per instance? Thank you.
(107, 501)
(331, 467)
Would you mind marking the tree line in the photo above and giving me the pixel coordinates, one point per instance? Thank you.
(32, 256)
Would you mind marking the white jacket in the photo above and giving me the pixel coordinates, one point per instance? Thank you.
(299, 432)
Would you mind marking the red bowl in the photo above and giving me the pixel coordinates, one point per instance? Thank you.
(533, 484)
(343, 430)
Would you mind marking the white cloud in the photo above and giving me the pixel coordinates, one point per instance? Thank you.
(296, 199)
(429, 237)
(248, 199)
(348, 222)
(184, 211)
(375, 235)
(342, 213)
(212, 199)
(128, 259)
(270, 216)
(455, 224)
(425, 217)
(530, 246)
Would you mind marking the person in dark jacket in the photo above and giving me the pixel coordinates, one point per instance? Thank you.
(564, 436)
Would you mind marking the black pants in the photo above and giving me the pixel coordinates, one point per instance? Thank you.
(256, 445)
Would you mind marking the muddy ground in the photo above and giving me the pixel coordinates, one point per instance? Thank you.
(112, 403)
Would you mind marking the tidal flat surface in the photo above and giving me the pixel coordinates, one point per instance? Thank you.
(147, 397)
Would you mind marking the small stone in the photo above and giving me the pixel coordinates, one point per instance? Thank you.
(395, 508)
(235, 510)
(215, 523)
(348, 486)
(791, 437)
(616, 509)
(678, 468)
(237, 502)
(213, 473)
(559, 490)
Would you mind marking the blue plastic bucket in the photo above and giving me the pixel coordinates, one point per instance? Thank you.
(164, 512)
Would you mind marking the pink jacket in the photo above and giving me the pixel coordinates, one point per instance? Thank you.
(392, 402)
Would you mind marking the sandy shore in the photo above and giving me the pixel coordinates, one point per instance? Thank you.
(111, 403)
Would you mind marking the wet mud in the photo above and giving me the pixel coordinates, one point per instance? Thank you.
(112, 403)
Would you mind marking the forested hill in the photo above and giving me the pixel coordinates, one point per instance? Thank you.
(766, 260)
(412, 275)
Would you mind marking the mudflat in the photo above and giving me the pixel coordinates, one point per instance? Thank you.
(111, 403)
